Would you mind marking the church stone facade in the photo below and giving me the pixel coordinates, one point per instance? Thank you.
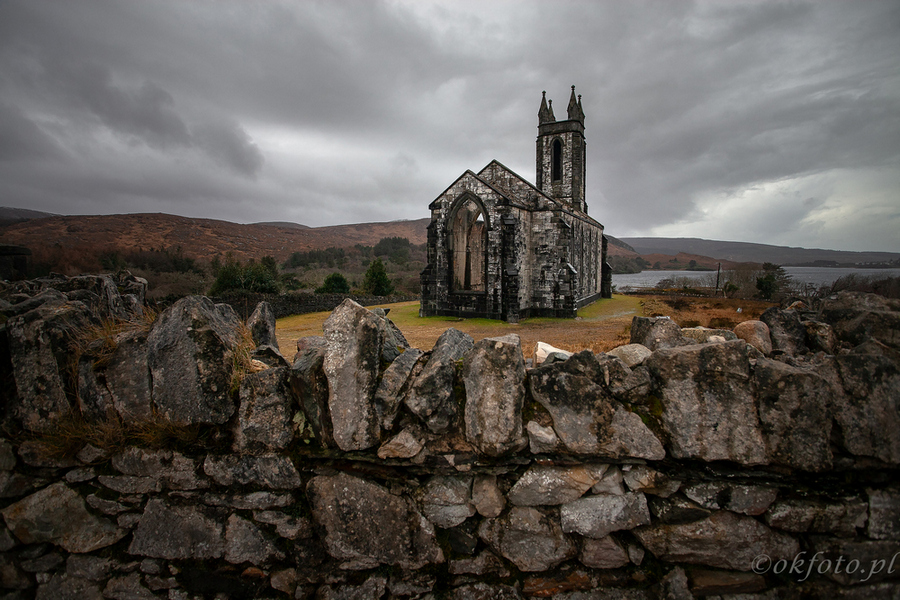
(502, 248)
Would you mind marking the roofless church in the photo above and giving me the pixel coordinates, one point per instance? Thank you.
(502, 248)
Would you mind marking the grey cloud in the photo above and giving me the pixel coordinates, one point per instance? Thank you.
(145, 112)
(21, 139)
(329, 112)
(228, 144)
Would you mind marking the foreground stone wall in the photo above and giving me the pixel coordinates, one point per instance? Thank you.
(691, 463)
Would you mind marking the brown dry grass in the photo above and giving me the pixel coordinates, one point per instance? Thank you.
(706, 312)
(601, 327)
(69, 434)
(101, 339)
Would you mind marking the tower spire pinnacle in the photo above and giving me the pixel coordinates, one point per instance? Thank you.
(574, 110)
(545, 114)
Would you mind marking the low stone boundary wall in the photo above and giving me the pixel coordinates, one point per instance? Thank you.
(691, 463)
(298, 303)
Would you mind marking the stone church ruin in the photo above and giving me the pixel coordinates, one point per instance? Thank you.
(502, 248)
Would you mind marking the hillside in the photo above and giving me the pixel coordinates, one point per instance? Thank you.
(75, 242)
(10, 215)
(759, 253)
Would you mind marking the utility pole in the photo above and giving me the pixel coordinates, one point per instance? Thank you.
(718, 274)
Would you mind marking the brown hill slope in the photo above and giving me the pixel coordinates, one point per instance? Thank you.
(74, 243)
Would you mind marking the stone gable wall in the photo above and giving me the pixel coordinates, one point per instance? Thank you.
(690, 463)
(528, 248)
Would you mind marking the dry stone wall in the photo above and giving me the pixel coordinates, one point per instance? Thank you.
(761, 462)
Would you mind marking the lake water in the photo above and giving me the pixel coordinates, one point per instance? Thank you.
(817, 276)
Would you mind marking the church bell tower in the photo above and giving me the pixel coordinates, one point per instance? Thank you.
(561, 158)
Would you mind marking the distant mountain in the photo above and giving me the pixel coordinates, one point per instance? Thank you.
(9, 215)
(75, 243)
(286, 224)
(617, 243)
(758, 253)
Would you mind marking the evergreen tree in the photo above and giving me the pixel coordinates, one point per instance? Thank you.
(774, 280)
(376, 280)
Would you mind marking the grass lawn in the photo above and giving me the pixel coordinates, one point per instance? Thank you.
(601, 326)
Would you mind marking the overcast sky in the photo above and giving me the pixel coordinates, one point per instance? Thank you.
(772, 122)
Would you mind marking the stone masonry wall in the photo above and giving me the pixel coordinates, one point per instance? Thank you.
(761, 462)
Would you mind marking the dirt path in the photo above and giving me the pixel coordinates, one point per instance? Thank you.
(601, 326)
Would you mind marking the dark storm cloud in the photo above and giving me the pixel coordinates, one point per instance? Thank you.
(21, 139)
(764, 121)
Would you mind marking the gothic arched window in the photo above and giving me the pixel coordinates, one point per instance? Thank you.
(556, 160)
(467, 233)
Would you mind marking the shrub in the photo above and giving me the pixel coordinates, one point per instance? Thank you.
(334, 284)
(261, 277)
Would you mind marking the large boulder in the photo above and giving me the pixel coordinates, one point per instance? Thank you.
(310, 385)
(706, 408)
(755, 333)
(40, 352)
(191, 355)
(116, 383)
(493, 373)
(431, 396)
(99, 292)
(631, 354)
(580, 407)
(127, 377)
(657, 333)
(352, 364)
(394, 343)
(788, 334)
(867, 413)
(266, 412)
(794, 414)
(261, 324)
(394, 385)
(367, 526)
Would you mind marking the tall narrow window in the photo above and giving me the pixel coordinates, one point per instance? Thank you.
(468, 241)
(556, 161)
